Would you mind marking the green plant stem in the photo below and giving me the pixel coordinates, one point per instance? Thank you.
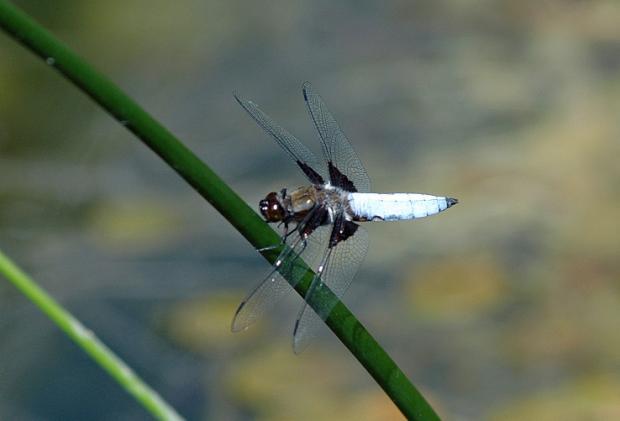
(341, 321)
(87, 340)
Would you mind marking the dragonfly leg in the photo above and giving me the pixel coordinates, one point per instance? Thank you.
(304, 244)
(286, 234)
(303, 236)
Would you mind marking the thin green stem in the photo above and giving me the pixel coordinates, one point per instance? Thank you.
(341, 321)
(87, 340)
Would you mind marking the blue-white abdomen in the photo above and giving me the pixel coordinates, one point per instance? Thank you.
(396, 206)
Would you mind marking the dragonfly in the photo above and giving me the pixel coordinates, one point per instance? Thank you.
(321, 221)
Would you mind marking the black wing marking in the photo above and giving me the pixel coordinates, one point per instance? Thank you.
(343, 229)
(309, 164)
(345, 168)
(340, 264)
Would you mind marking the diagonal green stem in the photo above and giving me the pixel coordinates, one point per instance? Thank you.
(341, 321)
(87, 340)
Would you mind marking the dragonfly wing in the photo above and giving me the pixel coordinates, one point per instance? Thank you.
(305, 159)
(269, 291)
(341, 265)
(344, 166)
(274, 286)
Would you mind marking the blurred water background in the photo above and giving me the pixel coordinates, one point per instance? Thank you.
(505, 307)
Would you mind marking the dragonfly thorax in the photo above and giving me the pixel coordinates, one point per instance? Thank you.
(332, 200)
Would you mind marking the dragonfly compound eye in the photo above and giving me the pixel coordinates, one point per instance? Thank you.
(271, 208)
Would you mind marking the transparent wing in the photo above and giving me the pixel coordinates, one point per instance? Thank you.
(336, 147)
(312, 167)
(274, 286)
(340, 269)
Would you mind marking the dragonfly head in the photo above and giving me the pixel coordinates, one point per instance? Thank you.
(271, 208)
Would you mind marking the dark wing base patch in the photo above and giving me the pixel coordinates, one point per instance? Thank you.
(338, 179)
(342, 230)
(313, 176)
